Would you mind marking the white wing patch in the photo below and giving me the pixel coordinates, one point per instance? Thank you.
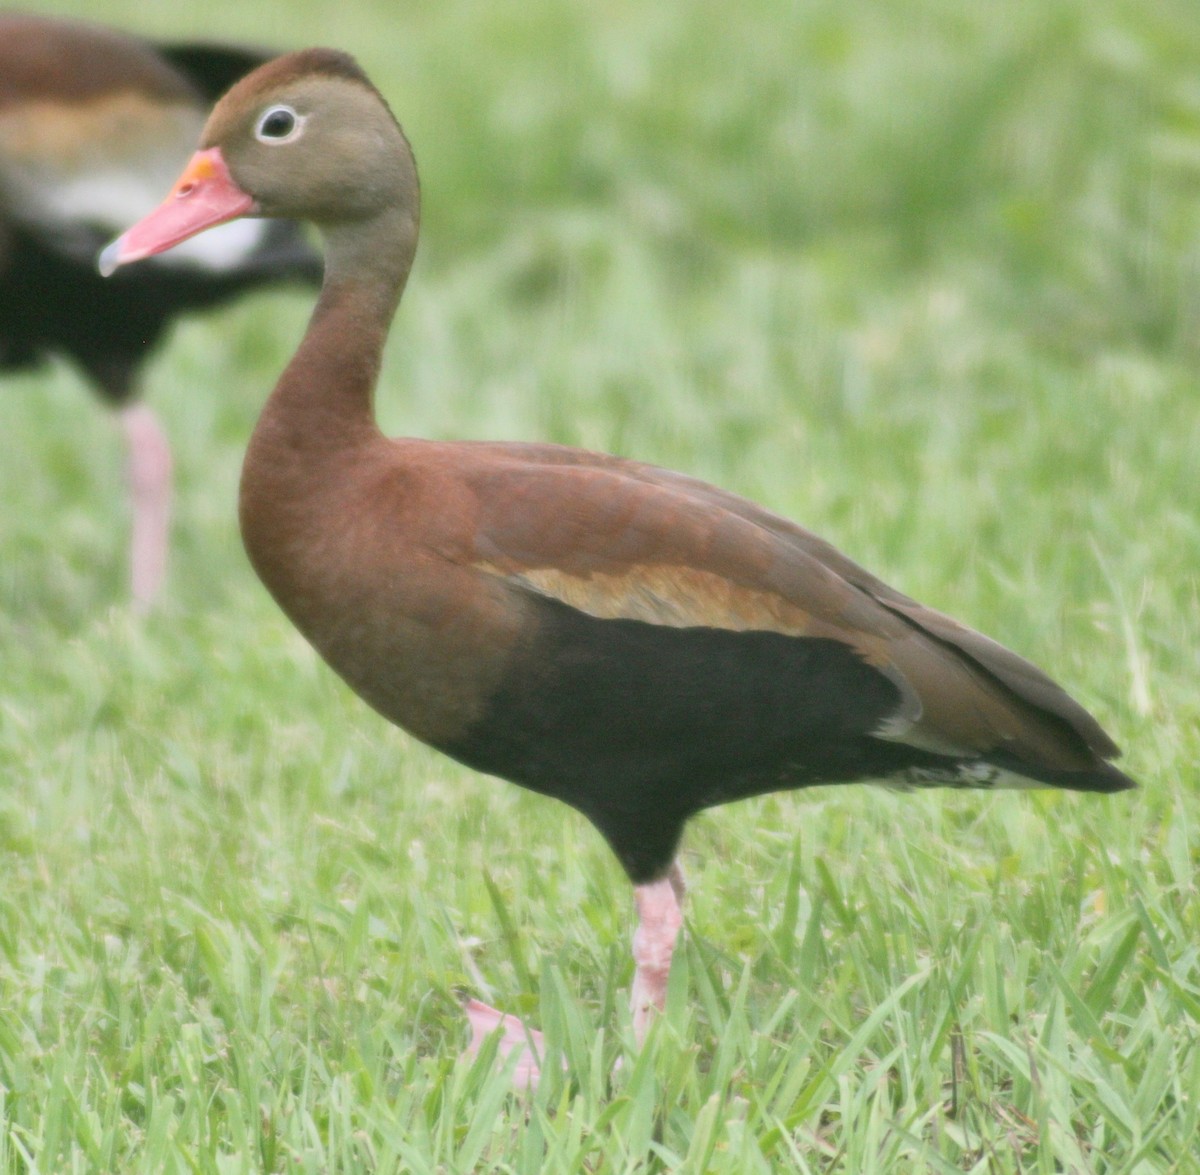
(225, 247)
(72, 171)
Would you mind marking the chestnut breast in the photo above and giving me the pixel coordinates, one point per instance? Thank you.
(372, 560)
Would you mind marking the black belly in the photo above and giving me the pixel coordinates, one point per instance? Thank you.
(639, 726)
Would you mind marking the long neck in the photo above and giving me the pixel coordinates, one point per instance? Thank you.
(325, 398)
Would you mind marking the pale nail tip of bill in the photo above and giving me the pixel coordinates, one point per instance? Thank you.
(109, 258)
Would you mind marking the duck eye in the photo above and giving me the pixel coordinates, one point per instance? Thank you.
(278, 124)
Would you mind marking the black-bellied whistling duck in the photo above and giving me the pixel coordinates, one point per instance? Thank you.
(628, 640)
(93, 125)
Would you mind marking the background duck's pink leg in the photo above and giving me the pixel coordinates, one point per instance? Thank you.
(149, 465)
(517, 1036)
(659, 921)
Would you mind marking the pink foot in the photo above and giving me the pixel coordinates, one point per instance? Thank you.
(149, 457)
(516, 1036)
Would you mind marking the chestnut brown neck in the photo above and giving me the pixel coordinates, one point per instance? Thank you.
(318, 425)
(324, 401)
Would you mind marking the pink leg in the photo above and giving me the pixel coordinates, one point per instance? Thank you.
(149, 458)
(485, 1021)
(659, 921)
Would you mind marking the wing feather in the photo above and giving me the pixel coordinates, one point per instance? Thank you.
(626, 540)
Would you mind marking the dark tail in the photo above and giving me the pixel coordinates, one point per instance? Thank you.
(1102, 777)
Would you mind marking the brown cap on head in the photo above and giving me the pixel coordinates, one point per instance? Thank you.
(280, 72)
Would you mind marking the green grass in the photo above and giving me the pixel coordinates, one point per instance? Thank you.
(921, 275)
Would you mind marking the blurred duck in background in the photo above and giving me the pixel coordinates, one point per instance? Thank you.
(94, 123)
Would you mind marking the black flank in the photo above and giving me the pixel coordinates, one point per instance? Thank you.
(639, 726)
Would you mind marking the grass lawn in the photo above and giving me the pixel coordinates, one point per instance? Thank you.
(924, 276)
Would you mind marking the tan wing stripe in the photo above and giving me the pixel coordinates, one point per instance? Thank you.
(679, 597)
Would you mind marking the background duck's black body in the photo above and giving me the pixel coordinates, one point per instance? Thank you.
(53, 302)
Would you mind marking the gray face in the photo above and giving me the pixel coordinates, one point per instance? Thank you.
(320, 148)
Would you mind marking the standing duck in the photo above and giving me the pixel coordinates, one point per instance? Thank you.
(94, 124)
(631, 641)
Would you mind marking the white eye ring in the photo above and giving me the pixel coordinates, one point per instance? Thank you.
(279, 124)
